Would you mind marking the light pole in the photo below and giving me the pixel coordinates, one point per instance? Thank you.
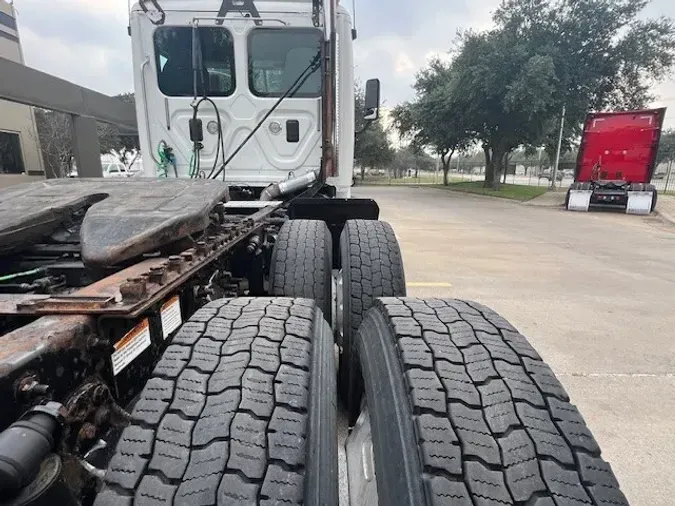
(554, 174)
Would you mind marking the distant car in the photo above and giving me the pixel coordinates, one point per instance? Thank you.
(115, 170)
(660, 175)
(547, 175)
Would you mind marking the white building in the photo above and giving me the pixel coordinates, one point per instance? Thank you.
(19, 143)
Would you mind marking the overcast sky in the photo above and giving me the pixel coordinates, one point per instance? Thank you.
(86, 42)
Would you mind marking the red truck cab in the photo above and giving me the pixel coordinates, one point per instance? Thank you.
(617, 159)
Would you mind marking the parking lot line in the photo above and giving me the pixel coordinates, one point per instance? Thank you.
(428, 285)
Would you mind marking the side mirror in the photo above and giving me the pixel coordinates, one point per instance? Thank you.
(372, 102)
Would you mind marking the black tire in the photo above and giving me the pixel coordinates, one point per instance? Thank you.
(567, 198)
(239, 410)
(464, 411)
(652, 188)
(302, 263)
(372, 267)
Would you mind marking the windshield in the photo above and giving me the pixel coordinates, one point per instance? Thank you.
(278, 56)
(173, 59)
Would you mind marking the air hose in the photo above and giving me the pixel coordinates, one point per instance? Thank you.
(166, 160)
(10, 277)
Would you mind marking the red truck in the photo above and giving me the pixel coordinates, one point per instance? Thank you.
(617, 159)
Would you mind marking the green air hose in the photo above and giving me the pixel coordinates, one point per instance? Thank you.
(10, 277)
(166, 160)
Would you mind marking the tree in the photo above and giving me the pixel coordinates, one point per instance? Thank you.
(504, 94)
(666, 148)
(55, 134)
(372, 149)
(124, 145)
(410, 158)
(429, 121)
(54, 129)
(605, 55)
(506, 87)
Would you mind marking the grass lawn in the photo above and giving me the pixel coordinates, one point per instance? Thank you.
(423, 179)
(522, 193)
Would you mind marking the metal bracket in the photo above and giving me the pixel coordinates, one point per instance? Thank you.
(156, 15)
(66, 303)
(242, 6)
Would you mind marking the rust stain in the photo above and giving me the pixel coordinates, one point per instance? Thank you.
(110, 286)
(49, 333)
(131, 291)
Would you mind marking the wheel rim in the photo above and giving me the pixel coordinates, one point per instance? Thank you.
(361, 476)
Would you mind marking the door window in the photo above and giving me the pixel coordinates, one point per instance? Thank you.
(279, 56)
(174, 62)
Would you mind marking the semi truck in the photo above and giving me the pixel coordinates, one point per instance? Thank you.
(187, 339)
(616, 163)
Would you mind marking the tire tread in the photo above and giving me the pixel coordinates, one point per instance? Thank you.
(372, 267)
(302, 263)
(491, 418)
(234, 430)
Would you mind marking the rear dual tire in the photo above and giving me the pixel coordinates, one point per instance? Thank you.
(302, 263)
(240, 410)
(648, 188)
(372, 267)
(463, 411)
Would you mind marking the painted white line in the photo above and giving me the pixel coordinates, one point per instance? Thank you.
(428, 285)
(615, 375)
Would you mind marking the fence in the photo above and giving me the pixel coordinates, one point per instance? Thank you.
(518, 174)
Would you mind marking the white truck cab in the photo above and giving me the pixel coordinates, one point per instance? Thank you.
(258, 77)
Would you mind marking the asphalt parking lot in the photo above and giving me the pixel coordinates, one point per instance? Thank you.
(594, 293)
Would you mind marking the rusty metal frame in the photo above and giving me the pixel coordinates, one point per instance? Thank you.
(132, 291)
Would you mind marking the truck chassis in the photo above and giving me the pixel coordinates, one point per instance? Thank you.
(203, 370)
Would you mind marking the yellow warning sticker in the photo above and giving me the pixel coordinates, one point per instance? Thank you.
(171, 316)
(131, 346)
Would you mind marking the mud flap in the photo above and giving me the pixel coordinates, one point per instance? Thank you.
(580, 200)
(640, 202)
